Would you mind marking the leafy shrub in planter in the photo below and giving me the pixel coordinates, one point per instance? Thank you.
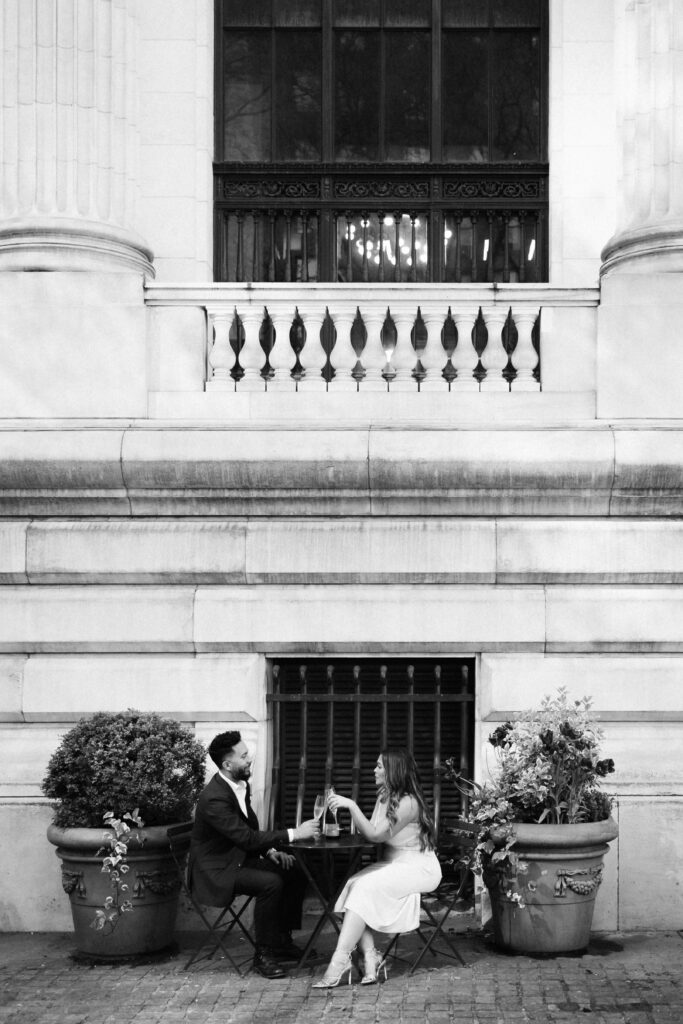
(548, 771)
(117, 761)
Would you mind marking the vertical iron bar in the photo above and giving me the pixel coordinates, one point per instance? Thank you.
(349, 265)
(384, 720)
(397, 244)
(225, 253)
(539, 238)
(436, 770)
(329, 759)
(304, 245)
(458, 251)
(303, 732)
(410, 737)
(288, 245)
(474, 218)
(413, 248)
(506, 261)
(255, 248)
(381, 244)
(355, 766)
(271, 257)
(239, 272)
(364, 223)
(489, 259)
(464, 734)
(275, 781)
(522, 246)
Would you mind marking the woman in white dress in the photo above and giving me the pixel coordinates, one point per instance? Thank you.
(385, 897)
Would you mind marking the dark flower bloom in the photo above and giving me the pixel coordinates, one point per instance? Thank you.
(546, 738)
(499, 736)
(605, 767)
(567, 730)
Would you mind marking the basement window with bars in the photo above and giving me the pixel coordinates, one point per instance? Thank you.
(331, 718)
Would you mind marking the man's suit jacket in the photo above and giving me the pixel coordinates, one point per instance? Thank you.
(222, 837)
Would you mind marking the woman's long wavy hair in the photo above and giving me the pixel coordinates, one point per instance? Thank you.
(402, 778)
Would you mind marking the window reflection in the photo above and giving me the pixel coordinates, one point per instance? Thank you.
(490, 247)
(516, 97)
(246, 126)
(298, 112)
(382, 247)
(407, 96)
(465, 92)
(357, 89)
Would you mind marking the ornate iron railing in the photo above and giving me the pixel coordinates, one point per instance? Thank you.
(381, 224)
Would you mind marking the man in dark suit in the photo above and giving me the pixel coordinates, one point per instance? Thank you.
(230, 855)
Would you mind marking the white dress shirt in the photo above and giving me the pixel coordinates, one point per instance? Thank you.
(240, 791)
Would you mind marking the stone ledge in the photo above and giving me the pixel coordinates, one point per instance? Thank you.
(204, 470)
(348, 550)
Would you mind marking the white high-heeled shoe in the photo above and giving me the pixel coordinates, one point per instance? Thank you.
(373, 963)
(337, 968)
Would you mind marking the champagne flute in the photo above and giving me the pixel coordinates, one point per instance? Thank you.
(319, 809)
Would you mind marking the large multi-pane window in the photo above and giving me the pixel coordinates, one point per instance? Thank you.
(381, 139)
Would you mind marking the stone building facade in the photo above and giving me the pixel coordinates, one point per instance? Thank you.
(167, 534)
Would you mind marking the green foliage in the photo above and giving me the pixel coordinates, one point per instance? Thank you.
(548, 771)
(114, 761)
(116, 866)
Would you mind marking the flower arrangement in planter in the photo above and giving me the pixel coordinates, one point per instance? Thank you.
(542, 825)
(118, 780)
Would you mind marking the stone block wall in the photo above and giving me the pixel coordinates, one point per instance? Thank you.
(180, 613)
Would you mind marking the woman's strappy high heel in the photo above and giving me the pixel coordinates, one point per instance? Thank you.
(374, 962)
(337, 968)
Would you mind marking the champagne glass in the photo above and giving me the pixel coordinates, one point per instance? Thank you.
(319, 809)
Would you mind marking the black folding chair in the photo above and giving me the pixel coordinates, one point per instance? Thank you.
(227, 918)
(438, 905)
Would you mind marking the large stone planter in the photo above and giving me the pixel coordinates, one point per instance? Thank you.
(153, 883)
(561, 870)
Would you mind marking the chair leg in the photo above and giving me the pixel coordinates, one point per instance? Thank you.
(437, 931)
(218, 940)
(236, 921)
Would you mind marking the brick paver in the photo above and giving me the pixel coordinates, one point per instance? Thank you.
(634, 978)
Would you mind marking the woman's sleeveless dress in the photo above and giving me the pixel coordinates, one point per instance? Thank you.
(386, 895)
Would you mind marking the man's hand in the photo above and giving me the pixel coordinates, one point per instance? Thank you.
(307, 829)
(285, 860)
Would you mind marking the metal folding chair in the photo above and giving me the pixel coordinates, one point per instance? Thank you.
(227, 918)
(432, 934)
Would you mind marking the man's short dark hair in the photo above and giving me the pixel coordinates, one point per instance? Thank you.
(223, 744)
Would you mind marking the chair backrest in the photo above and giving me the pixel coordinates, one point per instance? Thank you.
(179, 843)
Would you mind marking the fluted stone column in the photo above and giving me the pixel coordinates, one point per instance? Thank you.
(649, 61)
(639, 359)
(69, 136)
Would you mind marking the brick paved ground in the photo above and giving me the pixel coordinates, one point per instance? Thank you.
(623, 979)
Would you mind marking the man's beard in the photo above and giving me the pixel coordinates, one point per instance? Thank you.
(242, 774)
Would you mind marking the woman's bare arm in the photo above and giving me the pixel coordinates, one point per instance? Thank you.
(405, 813)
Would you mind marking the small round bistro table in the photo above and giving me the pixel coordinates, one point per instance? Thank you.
(328, 863)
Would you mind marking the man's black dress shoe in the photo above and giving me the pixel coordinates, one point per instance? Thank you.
(264, 965)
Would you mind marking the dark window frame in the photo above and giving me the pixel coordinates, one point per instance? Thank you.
(268, 193)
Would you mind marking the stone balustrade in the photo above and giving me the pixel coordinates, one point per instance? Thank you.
(399, 338)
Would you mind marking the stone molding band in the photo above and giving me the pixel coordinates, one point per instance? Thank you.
(70, 244)
(129, 470)
(657, 248)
